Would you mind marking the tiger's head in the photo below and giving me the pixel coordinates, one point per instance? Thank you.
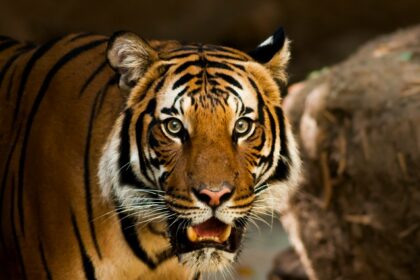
(202, 145)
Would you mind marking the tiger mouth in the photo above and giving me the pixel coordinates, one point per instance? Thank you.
(212, 233)
(211, 230)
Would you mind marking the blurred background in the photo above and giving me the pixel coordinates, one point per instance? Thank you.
(323, 32)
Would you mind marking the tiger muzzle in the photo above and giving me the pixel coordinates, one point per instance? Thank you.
(209, 234)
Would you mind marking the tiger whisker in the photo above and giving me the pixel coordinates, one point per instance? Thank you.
(128, 210)
(256, 225)
(159, 218)
(123, 166)
(258, 218)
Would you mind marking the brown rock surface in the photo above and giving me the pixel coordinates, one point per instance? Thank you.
(357, 215)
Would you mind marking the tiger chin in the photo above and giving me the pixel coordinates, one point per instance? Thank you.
(202, 145)
(122, 158)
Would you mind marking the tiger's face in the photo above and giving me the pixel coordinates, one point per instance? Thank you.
(202, 146)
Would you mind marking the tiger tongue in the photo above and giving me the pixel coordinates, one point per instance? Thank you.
(209, 228)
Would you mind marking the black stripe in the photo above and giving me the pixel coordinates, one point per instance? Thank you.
(178, 96)
(92, 76)
(44, 262)
(128, 228)
(242, 197)
(145, 90)
(185, 65)
(225, 56)
(260, 189)
(87, 263)
(283, 168)
(127, 176)
(234, 92)
(240, 67)
(165, 255)
(197, 276)
(273, 128)
(218, 65)
(31, 117)
(7, 45)
(25, 74)
(229, 79)
(246, 205)
(86, 172)
(10, 85)
(4, 180)
(164, 176)
(204, 64)
(14, 233)
(283, 136)
(111, 82)
(261, 103)
(169, 111)
(10, 61)
(184, 79)
(179, 206)
(189, 47)
(160, 84)
(263, 139)
(248, 110)
(144, 163)
(181, 55)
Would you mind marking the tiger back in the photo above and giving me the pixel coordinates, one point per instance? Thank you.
(97, 180)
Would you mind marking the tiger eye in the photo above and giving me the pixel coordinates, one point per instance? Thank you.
(173, 126)
(242, 126)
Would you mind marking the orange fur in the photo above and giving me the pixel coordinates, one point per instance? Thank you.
(62, 113)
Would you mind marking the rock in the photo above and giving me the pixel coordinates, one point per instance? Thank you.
(357, 215)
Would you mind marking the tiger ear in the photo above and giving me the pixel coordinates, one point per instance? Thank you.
(130, 56)
(274, 54)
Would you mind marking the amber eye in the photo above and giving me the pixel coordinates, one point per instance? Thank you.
(243, 126)
(173, 126)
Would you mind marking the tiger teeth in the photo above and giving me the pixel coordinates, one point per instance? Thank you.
(193, 237)
(191, 234)
(225, 235)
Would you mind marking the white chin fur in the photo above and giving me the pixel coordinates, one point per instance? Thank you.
(208, 260)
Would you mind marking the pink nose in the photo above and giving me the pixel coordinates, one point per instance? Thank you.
(214, 198)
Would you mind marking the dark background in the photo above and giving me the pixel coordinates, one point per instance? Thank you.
(323, 31)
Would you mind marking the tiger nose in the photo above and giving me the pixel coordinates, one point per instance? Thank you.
(214, 198)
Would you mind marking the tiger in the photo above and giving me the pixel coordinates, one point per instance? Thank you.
(127, 158)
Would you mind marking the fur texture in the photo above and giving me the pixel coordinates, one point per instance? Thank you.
(157, 128)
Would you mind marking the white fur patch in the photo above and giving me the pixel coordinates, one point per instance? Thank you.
(208, 260)
(268, 41)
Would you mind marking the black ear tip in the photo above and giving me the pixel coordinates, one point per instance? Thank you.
(280, 31)
(279, 37)
(267, 49)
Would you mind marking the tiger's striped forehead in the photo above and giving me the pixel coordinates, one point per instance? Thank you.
(206, 80)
